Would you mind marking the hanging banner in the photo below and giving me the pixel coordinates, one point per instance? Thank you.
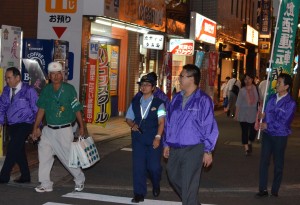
(11, 42)
(212, 68)
(91, 82)
(168, 73)
(199, 58)
(285, 40)
(102, 105)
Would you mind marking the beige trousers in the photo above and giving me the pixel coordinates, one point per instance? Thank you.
(56, 142)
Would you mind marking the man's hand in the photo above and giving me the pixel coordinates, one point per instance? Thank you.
(156, 142)
(166, 152)
(263, 126)
(207, 159)
(36, 133)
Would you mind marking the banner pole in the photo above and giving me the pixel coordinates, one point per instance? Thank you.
(269, 70)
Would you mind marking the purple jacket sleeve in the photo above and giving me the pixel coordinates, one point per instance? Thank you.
(4, 104)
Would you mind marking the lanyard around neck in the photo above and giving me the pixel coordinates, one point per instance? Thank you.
(144, 113)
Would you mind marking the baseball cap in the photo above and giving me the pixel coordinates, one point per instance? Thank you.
(148, 78)
(54, 67)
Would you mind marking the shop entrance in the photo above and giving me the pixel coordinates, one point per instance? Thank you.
(113, 51)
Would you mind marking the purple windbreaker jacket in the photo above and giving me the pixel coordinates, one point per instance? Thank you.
(23, 109)
(279, 116)
(195, 124)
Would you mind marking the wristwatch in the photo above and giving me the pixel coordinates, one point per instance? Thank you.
(209, 153)
(158, 136)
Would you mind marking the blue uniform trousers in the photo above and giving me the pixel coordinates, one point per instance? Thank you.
(145, 160)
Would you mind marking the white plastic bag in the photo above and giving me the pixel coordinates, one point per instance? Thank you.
(87, 152)
(73, 158)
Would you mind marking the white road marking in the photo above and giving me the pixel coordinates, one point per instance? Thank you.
(53, 203)
(127, 149)
(117, 199)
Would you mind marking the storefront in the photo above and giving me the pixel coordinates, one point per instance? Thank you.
(109, 75)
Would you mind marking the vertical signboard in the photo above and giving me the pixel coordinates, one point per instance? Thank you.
(91, 82)
(102, 100)
(62, 19)
(283, 53)
(264, 18)
(11, 42)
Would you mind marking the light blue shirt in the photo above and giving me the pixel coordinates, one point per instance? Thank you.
(144, 103)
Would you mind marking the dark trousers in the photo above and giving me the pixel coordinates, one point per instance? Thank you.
(184, 170)
(248, 132)
(275, 146)
(16, 151)
(145, 160)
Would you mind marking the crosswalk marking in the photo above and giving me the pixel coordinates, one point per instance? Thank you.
(117, 199)
(127, 149)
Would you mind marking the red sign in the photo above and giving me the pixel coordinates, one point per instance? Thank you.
(184, 49)
(91, 82)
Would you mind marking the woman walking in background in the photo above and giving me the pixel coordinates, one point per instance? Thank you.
(246, 109)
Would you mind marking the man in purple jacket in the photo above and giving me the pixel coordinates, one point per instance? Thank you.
(191, 133)
(17, 109)
(276, 128)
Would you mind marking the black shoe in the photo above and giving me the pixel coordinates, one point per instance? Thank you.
(20, 180)
(262, 194)
(156, 192)
(137, 198)
(274, 195)
(250, 148)
(247, 153)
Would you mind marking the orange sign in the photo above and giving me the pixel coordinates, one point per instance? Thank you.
(61, 6)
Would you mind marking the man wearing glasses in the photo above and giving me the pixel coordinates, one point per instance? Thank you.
(191, 133)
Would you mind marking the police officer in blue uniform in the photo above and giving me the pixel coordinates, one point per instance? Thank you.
(146, 116)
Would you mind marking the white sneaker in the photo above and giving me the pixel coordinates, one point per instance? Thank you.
(79, 187)
(42, 189)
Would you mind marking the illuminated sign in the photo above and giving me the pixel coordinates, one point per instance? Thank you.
(251, 35)
(61, 6)
(153, 41)
(182, 47)
(203, 29)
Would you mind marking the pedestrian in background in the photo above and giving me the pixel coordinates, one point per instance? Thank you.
(246, 110)
(276, 127)
(233, 89)
(146, 117)
(158, 93)
(18, 109)
(59, 104)
(191, 133)
(224, 89)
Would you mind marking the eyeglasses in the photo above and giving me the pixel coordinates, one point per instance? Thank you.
(182, 76)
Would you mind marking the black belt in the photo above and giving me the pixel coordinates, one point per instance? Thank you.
(61, 126)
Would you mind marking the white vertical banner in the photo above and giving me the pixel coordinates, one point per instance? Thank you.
(11, 46)
(62, 19)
